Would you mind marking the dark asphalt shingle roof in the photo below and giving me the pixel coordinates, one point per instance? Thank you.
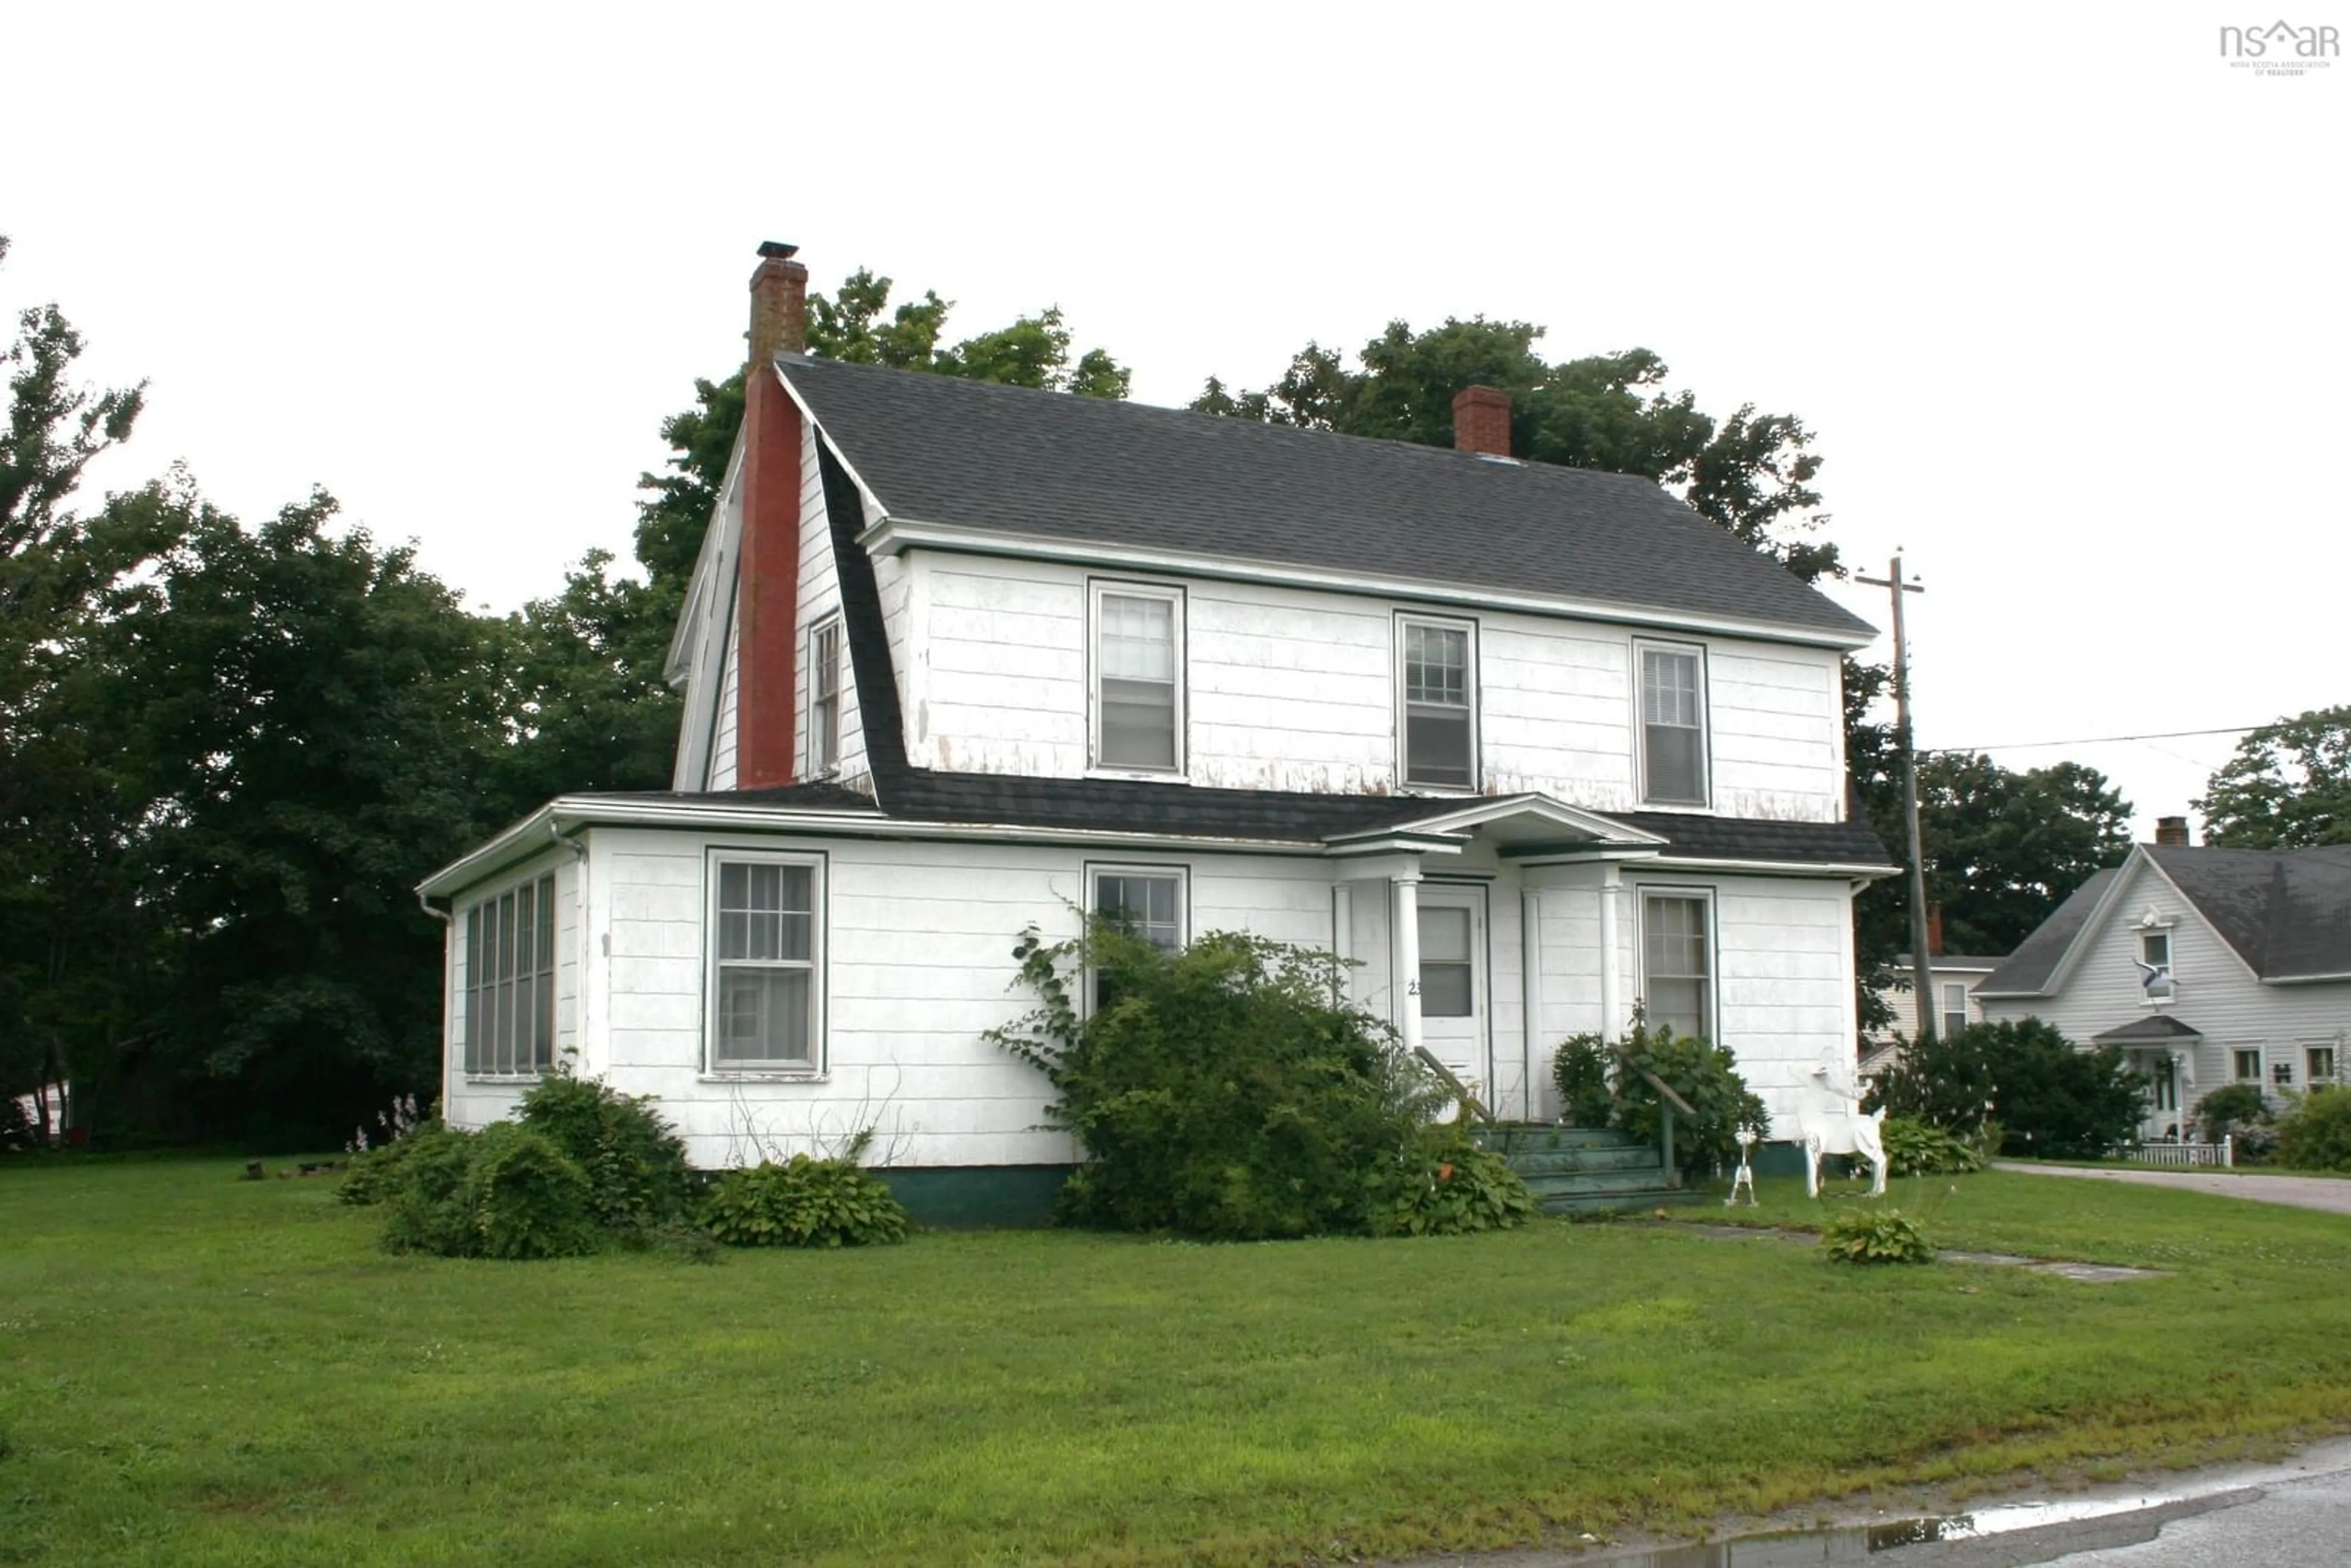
(2155, 1028)
(2286, 912)
(939, 449)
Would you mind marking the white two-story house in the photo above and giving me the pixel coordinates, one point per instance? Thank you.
(1528, 745)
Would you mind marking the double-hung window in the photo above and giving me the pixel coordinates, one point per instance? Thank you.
(1955, 1008)
(1439, 680)
(2318, 1065)
(767, 1005)
(511, 982)
(1673, 725)
(824, 697)
(2247, 1061)
(1138, 646)
(1677, 962)
(1143, 901)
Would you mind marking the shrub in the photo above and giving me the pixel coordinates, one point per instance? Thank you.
(634, 1162)
(2229, 1107)
(2052, 1098)
(1874, 1235)
(2315, 1134)
(803, 1202)
(1463, 1190)
(17, 1133)
(503, 1192)
(1222, 1090)
(1580, 1069)
(1705, 1075)
(1914, 1148)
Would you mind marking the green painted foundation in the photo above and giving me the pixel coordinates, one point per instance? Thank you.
(976, 1198)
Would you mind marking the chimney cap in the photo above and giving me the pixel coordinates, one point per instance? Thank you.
(777, 250)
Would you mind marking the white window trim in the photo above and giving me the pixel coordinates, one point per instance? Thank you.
(1404, 781)
(1642, 645)
(820, 979)
(1179, 872)
(1175, 595)
(833, 624)
(1642, 893)
(463, 1021)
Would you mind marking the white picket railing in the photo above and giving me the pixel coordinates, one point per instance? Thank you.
(2223, 1153)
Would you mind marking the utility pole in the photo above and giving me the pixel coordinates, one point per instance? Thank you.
(1921, 965)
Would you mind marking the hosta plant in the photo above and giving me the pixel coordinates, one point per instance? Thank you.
(1874, 1235)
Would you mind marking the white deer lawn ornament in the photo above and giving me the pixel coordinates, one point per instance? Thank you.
(1829, 1121)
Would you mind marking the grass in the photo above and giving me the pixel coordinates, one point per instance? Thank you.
(196, 1370)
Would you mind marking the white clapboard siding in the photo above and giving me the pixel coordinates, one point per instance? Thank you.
(1291, 689)
(919, 939)
(723, 724)
(2214, 991)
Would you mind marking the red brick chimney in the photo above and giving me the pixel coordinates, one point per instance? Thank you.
(2171, 831)
(767, 603)
(1934, 930)
(1481, 421)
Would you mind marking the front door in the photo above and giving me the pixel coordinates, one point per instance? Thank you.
(1453, 984)
(2162, 1093)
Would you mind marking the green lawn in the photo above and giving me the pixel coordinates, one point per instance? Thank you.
(198, 1370)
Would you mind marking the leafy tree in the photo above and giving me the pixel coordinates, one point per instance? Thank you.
(305, 721)
(582, 690)
(2288, 787)
(1750, 472)
(2005, 849)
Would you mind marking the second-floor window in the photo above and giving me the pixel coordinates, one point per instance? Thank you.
(824, 698)
(1955, 1008)
(1138, 678)
(1673, 727)
(1440, 688)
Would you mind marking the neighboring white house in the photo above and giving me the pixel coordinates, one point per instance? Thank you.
(1952, 980)
(2206, 966)
(960, 659)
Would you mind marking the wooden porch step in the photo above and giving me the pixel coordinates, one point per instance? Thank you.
(1650, 1177)
(1512, 1140)
(1599, 1157)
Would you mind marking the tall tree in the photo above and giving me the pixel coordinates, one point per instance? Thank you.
(2005, 849)
(1750, 472)
(2288, 786)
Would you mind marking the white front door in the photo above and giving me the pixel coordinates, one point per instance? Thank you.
(2162, 1120)
(1454, 976)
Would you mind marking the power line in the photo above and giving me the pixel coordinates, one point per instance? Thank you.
(2108, 739)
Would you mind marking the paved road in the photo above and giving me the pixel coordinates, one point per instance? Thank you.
(2327, 1193)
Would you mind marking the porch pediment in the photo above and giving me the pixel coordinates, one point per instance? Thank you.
(1531, 829)
(2156, 1028)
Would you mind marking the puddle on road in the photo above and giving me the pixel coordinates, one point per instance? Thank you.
(1857, 1543)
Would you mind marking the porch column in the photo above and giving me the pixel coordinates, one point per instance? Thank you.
(1611, 987)
(1342, 934)
(1531, 992)
(1404, 937)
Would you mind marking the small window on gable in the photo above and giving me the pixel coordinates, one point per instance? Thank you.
(767, 950)
(1676, 962)
(1440, 722)
(511, 982)
(1138, 663)
(2154, 950)
(2248, 1064)
(824, 697)
(1673, 726)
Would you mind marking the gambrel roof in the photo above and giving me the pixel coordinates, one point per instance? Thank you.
(2286, 912)
(1023, 467)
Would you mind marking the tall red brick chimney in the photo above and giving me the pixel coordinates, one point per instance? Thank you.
(767, 602)
(1934, 930)
(2171, 831)
(1481, 421)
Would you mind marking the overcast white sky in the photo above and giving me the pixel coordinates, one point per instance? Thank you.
(2061, 293)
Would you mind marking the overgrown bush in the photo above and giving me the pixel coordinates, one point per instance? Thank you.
(1705, 1075)
(1462, 1189)
(1222, 1090)
(17, 1133)
(2316, 1133)
(2229, 1108)
(1914, 1148)
(2052, 1098)
(503, 1192)
(1874, 1235)
(635, 1163)
(1580, 1069)
(373, 1172)
(803, 1202)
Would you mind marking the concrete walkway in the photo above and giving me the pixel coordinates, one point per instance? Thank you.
(2325, 1193)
